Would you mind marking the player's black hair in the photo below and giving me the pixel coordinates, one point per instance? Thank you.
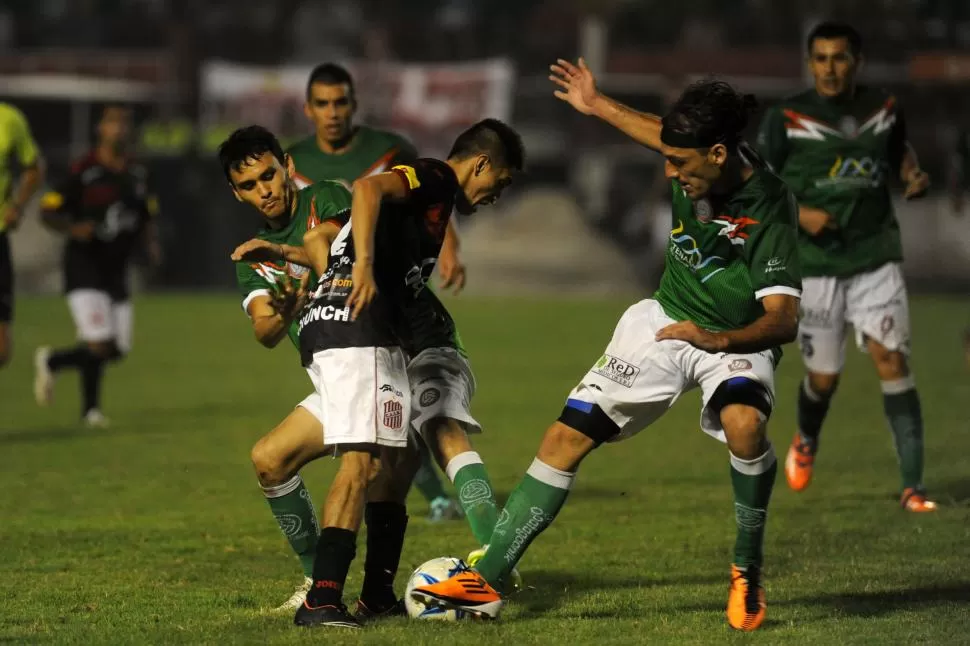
(832, 30)
(330, 74)
(708, 112)
(496, 139)
(245, 144)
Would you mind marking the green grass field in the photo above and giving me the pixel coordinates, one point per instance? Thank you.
(154, 530)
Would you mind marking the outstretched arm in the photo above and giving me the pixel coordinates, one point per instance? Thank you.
(579, 90)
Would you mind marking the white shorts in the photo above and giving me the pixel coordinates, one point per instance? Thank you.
(874, 302)
(363, 395)
(98, 318)
(639, 378)
(442, 385)
(312, 402)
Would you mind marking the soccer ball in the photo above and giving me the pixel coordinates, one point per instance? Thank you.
(433, 571)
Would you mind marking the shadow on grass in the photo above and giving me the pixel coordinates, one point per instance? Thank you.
(866, 604)
(546, 590)
(952, 492)
(42, 435)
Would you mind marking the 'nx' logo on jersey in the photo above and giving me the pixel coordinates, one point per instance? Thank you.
(684, 248)
(616, 370)
(855, 172)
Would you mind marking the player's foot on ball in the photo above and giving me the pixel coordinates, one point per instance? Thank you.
(514, 583)
(915, 500)
(467, 591)
(366, 613)
(43, 377)
(336, 616)
(299, 596)
(444, 508)
(96, 419)
(746, 603)
(799, 463)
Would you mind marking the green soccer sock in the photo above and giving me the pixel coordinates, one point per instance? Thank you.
(467, 472)
(291, 505)
(530, 509)
(901, 404)
(426, 479)
(752, 481)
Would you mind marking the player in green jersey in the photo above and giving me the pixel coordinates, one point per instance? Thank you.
(727, 300)
(342, 151)
(16, 144)
(839, 146)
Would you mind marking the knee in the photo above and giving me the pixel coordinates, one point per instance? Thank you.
(360, 467)
(744, 426)
(564, 447)
(890, 364)
(104, 350)
(270, 467)
(823, 385)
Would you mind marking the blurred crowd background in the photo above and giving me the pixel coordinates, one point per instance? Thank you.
(589, 216)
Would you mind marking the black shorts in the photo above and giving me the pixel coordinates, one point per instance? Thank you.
(6, 280)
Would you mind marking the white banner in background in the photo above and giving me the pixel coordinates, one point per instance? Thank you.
(428, 103)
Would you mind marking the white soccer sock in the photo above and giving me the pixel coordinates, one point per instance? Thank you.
(550, 475)
(898, 386)
(280, 490)
(756, 466)
(461, 461)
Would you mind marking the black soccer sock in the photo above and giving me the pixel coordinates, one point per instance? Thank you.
(336, 548)
(812, 409)
(68, 358)
(386, 524)
(91, 372)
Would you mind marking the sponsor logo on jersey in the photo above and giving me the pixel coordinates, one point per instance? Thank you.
(393, 414)
(739, 364)
(388, 388)
(325, 313)
(684, 248)
(775, 264)
(616, 370)
(417, 277)
(855, 172)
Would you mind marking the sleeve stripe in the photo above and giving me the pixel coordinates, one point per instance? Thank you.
(778, 289)
(253, 294)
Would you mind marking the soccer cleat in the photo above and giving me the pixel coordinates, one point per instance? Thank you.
(799, 463)
(336, 616)
(364, 614)
(43, 377)
(299, 596)
(444, 508)
(914, 500)
(746, 603)
(96, 419)
(466, 591)
(514, 583)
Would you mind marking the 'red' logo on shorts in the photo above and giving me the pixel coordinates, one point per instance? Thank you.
(393, 414)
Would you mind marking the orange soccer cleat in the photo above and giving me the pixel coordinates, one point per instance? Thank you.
(467, 591)
(915, 501)
(746, 603)
(799, 463)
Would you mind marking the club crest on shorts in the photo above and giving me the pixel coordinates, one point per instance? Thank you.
(703, 210)
(393, 414)
(616, 370)
(739, 364)
(429, 396)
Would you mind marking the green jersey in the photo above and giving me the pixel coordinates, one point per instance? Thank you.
(371, 152)
(317, 203)
(17, 143)
(724, 256)
(839, 155)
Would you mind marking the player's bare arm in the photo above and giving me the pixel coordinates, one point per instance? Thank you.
(579, 90)
(316, 246)
(916, 181)
(450, 267)
(814, 221)
(272, 315)
(365, 208)
(29, 182)
(776, 327)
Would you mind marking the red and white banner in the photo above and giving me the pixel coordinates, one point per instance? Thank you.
(428, 103)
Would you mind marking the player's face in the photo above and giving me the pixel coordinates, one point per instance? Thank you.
(695, 169)
(114, 129)
(331, 109)
(485, 185)
(264, 183)
(832, 64)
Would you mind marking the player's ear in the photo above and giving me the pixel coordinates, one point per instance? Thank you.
(290, 166)
(236, 193)
(481, 164)
(718, 155)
